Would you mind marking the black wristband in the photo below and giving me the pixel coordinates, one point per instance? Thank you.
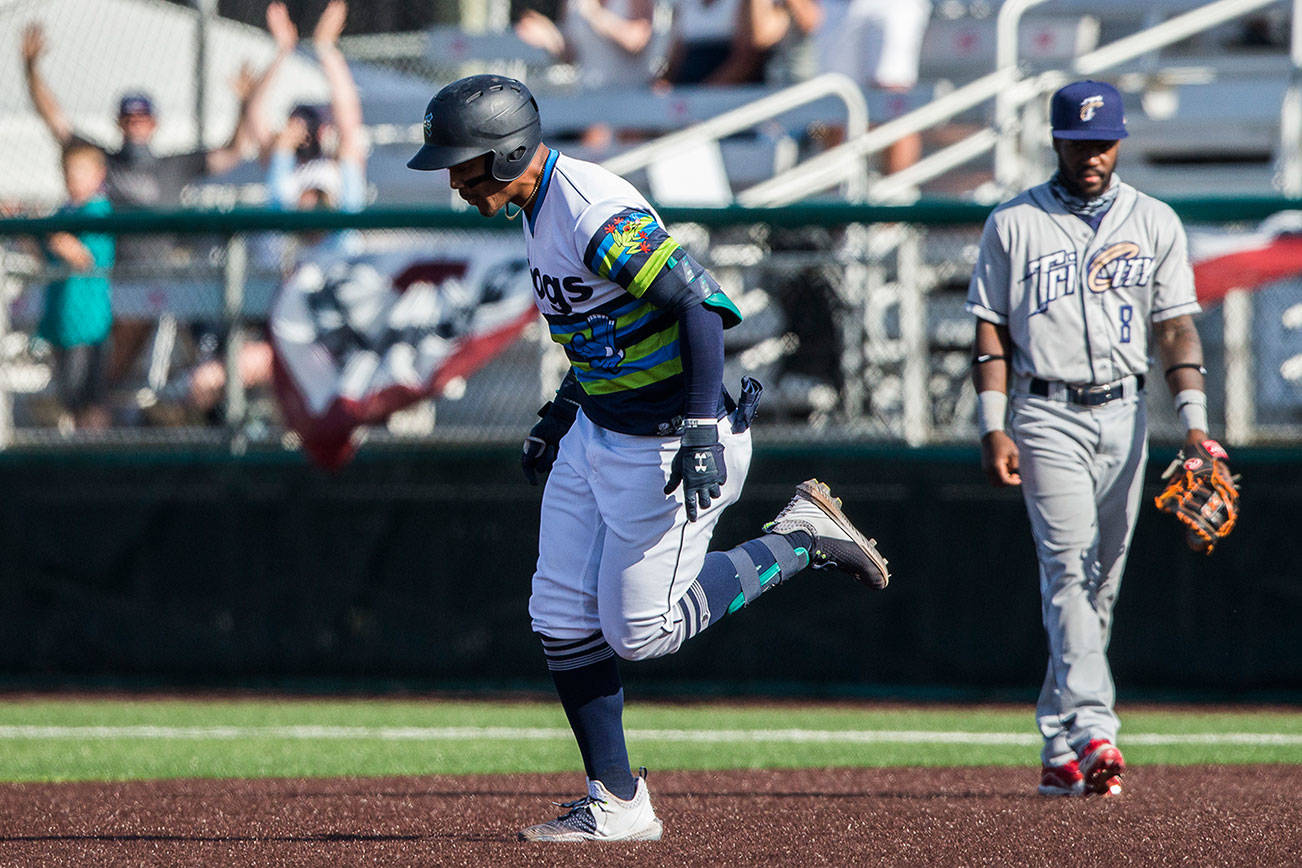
(1195, 365)
(987, 357)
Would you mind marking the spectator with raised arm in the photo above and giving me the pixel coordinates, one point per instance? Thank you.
(609, 42)
(137, 178)
(316, 161)
(723, 42)
(304, 172)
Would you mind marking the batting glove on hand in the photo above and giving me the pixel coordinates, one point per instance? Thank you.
(699, 467)
(544, 439)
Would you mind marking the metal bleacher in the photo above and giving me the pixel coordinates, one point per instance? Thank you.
(1204, 113)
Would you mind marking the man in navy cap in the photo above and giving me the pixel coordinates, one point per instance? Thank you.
(1075, 279)
(137, 178)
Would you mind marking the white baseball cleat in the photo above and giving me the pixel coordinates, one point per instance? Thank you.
(837, 543)
(600, 816)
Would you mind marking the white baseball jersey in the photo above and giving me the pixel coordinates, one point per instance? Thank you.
(617, 554)
(1077, 302)
(611, 283)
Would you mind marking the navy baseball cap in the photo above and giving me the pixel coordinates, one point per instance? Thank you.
(136, 104)
(1087, 110)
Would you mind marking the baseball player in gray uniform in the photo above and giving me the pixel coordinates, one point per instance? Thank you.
(642, 445)
(1076, 280)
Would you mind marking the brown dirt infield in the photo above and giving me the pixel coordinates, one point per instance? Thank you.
(1169, 815)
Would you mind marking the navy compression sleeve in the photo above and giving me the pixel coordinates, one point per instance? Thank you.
(701, 340)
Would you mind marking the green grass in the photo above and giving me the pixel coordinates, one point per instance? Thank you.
(662, 736)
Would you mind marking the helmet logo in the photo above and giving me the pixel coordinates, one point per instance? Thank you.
(1089, 105)
(429, 124)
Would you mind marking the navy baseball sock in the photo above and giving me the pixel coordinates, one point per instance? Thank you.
(586, 675)
(729, 580)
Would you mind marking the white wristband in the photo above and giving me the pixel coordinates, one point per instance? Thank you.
(1191, 407)
(992, 406)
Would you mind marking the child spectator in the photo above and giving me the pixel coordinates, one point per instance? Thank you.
(78, 312)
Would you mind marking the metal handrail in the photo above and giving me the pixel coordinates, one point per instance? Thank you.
(1007, 174)
(1006, 23)
(747, 116)
(1162, 35)
(1010, 17)
(833, 166)
(1005, 84)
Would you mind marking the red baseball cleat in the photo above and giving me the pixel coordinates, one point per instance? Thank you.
(1101, 764)
(1063, 780)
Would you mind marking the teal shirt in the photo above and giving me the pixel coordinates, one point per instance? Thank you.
(78, 308)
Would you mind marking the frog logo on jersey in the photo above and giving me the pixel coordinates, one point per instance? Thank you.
(1118, 265)
(630, 234)
(599, 350)
(1089, 105)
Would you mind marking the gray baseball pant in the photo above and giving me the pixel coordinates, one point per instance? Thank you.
(1082, 474)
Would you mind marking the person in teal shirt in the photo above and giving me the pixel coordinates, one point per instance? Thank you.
(78, 305)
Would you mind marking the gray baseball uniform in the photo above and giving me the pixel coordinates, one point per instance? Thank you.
(1078, 304)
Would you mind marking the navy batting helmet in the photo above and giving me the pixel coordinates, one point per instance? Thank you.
(477, 115)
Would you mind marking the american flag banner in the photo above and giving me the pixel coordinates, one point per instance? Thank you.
(1227, 261)
(358, 337)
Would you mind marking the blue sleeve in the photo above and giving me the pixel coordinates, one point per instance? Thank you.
(701, 330)
(280, 180)
(352, 186)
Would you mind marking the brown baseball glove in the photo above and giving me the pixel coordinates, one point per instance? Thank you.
(1202, 494)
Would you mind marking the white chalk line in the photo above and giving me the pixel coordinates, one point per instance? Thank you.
(512, 733)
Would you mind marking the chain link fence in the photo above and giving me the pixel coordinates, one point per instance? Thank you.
(854, 318)
(856, 327)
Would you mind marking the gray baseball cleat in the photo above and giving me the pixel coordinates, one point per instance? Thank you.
(837, 543)
(600, 816)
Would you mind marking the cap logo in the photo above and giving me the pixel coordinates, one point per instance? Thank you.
(1089, 105)
(429, 124)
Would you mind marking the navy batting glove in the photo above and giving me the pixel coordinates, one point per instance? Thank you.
(699, 467)
(544, 439)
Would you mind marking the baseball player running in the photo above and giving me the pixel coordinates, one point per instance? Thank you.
(1070, 277)
(643, 446)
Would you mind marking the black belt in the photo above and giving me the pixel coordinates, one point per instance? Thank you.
(1087, 396)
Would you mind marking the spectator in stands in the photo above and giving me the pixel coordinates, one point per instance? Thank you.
(317, 161)
(877, 43)
(784, 30)
(608, 42)
(77, 313)
(711, 43)
(136, 177)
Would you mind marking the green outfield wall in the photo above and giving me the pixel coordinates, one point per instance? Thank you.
(412, 569)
